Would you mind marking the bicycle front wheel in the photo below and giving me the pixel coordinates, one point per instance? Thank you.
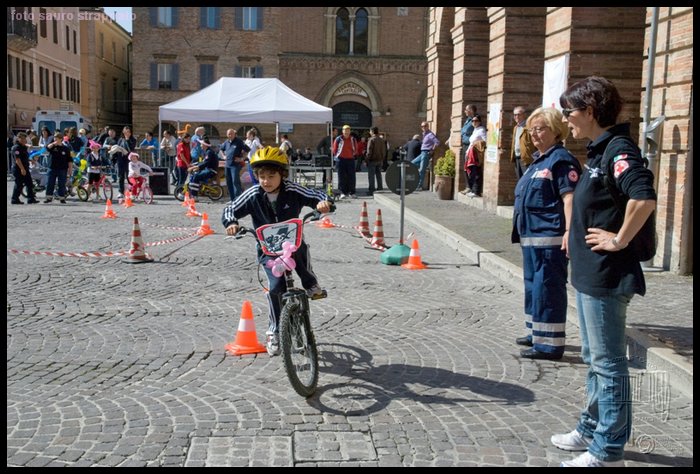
(215, 192)
(82, 193)
(299, 350)
(107, 189)
(179, 193)
(147, 194)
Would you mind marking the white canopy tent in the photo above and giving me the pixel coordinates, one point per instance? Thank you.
(234, 99)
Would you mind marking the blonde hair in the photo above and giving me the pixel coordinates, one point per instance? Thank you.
(554, 120)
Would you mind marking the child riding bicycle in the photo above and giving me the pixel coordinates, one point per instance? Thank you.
(204, 170)
(135, 178)
(276, 199)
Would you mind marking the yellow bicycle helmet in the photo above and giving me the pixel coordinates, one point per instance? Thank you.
(269, 156)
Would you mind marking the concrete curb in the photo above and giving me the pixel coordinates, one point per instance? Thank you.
(642, 350)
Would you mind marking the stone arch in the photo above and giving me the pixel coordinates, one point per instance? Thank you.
(373, 33)
(359, 87)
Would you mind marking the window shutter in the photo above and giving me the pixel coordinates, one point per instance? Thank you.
(258, 71)
(238, 20)
(259, 26)
(153, 13)
(154, 76)
(174, 17)
(176, 77)
(217, 18)
(202, 17)
(237, 71)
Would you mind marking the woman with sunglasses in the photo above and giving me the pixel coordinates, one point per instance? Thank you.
(604, 272)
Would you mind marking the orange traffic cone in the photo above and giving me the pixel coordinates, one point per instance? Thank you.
(127, 200)
(192, 211)
(246, 338)
(204, 228)
(325, 223)
(137, 252)
(414, 261)
(186, 201)
(378, 233)
(109, 212)
(363, 227)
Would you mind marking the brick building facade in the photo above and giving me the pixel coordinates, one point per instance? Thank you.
(495, 58)
(367, 63)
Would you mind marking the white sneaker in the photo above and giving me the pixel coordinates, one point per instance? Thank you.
(573, 441)
(342, 196)
(316, 292)
(273, 344)
(588, 460)
(471, 194)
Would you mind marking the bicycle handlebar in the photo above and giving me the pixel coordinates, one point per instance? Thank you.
(310, 217)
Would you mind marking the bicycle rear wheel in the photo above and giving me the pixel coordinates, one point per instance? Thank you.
(299, 350)
(215, 191)
(179, 193)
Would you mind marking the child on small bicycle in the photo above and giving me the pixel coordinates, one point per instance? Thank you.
(135, 178)
(205, 169)
(94, 169)
(276, 199)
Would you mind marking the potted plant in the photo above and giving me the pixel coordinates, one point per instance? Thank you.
(445, 175)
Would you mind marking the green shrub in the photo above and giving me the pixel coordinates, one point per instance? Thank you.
(445, 165)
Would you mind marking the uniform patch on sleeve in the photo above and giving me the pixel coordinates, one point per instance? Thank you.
(573, 175)
(620, 157)
(620, 166)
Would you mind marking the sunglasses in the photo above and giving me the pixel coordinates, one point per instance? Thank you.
(568, 112)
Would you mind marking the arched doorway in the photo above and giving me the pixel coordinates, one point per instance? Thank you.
(354, 114)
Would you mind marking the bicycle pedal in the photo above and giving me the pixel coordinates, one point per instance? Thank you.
(320, 296)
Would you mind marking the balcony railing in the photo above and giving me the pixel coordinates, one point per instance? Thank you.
(21, 34)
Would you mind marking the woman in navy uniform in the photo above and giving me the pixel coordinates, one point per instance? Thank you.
(541, 217)
(604, 272)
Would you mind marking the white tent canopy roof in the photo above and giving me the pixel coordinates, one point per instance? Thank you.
(233, 99)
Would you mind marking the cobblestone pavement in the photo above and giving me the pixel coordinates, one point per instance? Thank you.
(111, 364)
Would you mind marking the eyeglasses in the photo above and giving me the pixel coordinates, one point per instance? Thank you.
(568, 112)
(537, 130)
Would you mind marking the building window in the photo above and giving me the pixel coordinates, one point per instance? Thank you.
(77, 91)
(24, 75)
(209, 18)
(68, 89)
(67, 38)
(206, 75)
(166, 17)
(249, 18)
(102, 45)
(42, 22)
(248, 71)
(114, 53)
(31, 77)
(342, 32)
(10, 75)
(165, 76)
(46, 81)
(351, 32)
(75, 42)
(55, 30)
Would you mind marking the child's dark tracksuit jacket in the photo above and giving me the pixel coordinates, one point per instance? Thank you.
(290, 201)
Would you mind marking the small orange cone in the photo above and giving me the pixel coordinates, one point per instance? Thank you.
(204, 228)
(378, 233)
(137, 252)
(363, 227)
(186, 201)
(325, 223)
(414, 261)
(127, 200)
(246, 338)
(192, 211)
(109, 212)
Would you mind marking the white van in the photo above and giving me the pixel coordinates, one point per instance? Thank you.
(59, 120)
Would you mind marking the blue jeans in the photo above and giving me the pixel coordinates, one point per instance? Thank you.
(607, 417)
(233, 181)
(422, 162)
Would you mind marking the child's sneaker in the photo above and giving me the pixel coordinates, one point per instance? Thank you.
(273, 344)
(316, 292)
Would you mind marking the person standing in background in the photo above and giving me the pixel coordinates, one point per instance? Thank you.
(522, 147)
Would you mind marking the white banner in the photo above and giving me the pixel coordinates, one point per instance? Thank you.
(556, 72)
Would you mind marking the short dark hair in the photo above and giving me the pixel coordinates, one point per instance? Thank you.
(598, 93)
(271, 168)
(375, 130)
